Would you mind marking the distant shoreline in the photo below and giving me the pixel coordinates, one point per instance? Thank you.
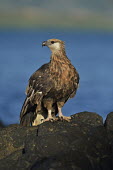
(33, 18)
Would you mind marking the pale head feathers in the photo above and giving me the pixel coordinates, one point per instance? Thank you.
(55, 45)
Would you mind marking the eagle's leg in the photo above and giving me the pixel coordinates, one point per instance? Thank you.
(48, 105)
(61, 116)
(49, 117)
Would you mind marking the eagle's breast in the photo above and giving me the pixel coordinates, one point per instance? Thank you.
(64, 77)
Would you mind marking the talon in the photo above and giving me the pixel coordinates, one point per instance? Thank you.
(72, 116)
(52, 120)
(62, 118)
(49, 119)
(57, 118)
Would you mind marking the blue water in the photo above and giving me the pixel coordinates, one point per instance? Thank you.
(90, 52)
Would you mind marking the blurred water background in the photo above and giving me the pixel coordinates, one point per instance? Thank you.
(87, 29)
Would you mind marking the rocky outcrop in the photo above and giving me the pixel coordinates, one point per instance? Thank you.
(1, 124)
(85, 143)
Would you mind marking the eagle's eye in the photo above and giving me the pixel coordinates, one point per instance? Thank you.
(52, 42)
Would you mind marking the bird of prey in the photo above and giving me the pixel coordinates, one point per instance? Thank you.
(50, 87)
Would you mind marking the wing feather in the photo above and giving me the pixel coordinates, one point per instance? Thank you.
(35, 91)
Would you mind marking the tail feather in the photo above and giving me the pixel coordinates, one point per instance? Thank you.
(26, 120)
(32, 104)
(27, 113)
(30, 111)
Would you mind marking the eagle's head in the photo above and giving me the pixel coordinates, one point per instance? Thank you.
(55, 45)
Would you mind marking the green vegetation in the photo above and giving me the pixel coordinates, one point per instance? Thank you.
(55, 14)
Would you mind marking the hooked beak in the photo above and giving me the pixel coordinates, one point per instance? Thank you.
(44, 43)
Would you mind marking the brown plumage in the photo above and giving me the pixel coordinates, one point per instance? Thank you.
(50, 87)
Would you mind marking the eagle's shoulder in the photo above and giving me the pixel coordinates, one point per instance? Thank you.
(42, 71)
(39, 81)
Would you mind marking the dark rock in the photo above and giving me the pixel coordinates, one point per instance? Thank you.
(109, 121)
(109, 127)
(82, 144)
(93, 119)
(1, 124)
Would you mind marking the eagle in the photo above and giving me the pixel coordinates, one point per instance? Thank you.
(50, 87)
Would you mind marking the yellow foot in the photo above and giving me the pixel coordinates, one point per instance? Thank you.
(51, 119)
(65, 118)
